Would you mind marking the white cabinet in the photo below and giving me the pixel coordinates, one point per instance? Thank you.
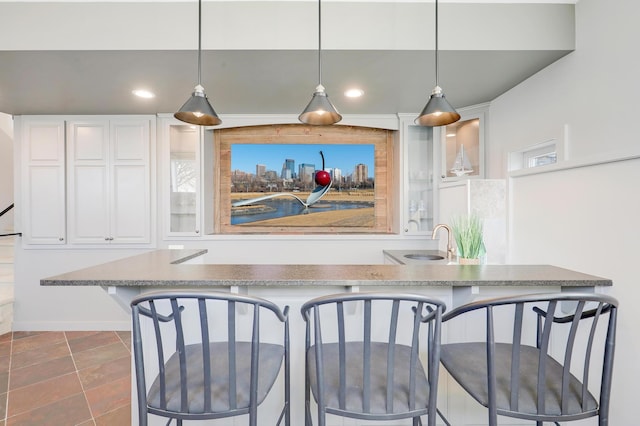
(417, 196)
(181, 178)
(108, 179)
(43, 179)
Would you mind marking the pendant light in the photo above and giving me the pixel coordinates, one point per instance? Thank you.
(197, 109)
(437, 112)
(320, 111)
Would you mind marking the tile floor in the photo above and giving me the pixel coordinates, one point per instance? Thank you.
(65, 378)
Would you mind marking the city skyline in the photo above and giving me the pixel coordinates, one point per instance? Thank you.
(345, 157)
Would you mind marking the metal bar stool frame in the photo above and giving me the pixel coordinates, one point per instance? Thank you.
(553, 394)
(419, 392)
(180, 361)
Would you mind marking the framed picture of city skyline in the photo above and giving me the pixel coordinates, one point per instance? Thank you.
(302, 179)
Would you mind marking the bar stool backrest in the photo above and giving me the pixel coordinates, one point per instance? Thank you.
(542, 369)
(207, 354)
(363, 355)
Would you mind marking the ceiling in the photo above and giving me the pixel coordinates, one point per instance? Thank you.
(55, 80)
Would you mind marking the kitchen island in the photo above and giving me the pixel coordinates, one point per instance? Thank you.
(174, 268)
(293, 285)
(127, 277)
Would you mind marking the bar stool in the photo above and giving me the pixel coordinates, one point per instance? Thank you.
(203, 360)
(540, 370)
(363, 356)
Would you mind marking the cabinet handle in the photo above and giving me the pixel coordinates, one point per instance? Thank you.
(106, 238)
(60, 239)
(197, 231)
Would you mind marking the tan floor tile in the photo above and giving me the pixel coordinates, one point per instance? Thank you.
(37, 341)
(39, 355)
(125, 336)
(26, 376)
(109, 397)
(120, 417)
(72, 335)
(69, 411)
(93, 341)
(43, 393)
(46, 389)
(100, 355)
(5, 348)
(5, 363)
(97, 375)
(22, 334)
(4, 382)
(3, 406)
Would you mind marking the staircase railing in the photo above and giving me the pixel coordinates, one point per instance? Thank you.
(1, 214)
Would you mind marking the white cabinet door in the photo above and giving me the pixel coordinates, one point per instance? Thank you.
(87, 160)
(130, 181)
(43, 180)
(109, 181)
(417, 198)
(181, 177)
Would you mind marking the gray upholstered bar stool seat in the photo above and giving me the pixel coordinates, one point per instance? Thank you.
(547, 378)
(205, 360)
(363, 355)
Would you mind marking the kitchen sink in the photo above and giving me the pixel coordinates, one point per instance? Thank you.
(419, 256)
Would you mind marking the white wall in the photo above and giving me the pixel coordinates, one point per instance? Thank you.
(6, 171)
(583, 218)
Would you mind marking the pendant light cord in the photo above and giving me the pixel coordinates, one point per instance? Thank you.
(436, 42)
(319, 42)
(199, 42)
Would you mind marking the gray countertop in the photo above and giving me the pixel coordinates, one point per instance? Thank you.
(164, 267)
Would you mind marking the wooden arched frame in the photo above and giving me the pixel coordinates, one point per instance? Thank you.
(383, 141)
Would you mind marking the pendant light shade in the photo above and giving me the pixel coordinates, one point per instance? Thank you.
(437, 112)
(320, 110)
(197, 110)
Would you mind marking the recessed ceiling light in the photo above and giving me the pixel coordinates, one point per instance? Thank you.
(354, 93)
(141, 93)
(450, 135)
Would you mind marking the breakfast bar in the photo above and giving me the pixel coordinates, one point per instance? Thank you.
(177, 268)
(126, 278)
(292, 285)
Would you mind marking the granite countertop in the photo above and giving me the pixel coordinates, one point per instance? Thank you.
(164, 267)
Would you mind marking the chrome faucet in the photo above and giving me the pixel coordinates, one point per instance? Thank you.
(450, 250)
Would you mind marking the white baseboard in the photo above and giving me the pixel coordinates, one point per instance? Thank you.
(71, 326)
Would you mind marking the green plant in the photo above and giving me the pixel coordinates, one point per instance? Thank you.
(467, 231)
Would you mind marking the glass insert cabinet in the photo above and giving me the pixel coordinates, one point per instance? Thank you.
(181, 166)
(462, 145)
(417, 197)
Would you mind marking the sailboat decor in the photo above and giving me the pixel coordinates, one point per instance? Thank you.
(461, 165)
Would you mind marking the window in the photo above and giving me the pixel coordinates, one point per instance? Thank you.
(534, 156)
(264, 170)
